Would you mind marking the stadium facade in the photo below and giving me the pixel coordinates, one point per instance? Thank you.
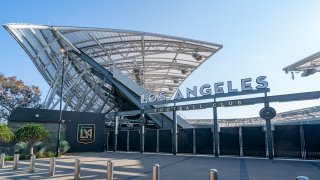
(106, 70)
(98, 72)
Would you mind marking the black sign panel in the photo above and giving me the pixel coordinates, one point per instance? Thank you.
(86, 133)
(267, 113)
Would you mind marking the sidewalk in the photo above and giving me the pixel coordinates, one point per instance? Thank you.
(136, 166)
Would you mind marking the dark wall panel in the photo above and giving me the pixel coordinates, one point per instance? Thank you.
(286, 141)
(253, 141)
(204, 141)
(122, 141)
(229, 141)
(134, 141)
(75, 120)
(185, 141)
(150, 140)
(312, 141)
(110, 140)
(165, 141)
(84, 131)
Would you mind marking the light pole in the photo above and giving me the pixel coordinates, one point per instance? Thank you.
(64, 56)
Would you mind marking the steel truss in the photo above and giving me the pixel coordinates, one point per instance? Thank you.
(155, 62)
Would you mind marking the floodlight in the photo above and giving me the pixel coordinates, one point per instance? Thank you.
(184, 71)
(63, 52)
(196, 56)
(308, 72)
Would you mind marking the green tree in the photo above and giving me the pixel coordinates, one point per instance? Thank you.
(6, 135)
(31, 134)
(14, 93)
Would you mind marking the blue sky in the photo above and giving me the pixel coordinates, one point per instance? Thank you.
(259, 38)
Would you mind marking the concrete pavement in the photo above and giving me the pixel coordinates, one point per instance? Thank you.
(136, 166)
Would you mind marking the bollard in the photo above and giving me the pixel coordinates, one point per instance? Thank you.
(15, 162)
(110, 170)
(77, 169)
(155, 172)
(213, 174)
(2, 158)
(52, 168)
(302, 178)
(32, 166)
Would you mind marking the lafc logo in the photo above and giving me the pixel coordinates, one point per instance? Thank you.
(86, 133)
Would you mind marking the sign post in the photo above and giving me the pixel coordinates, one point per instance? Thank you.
(215, 131)
(175, 132)
(268, 113)
(142, 122)
(115, 138)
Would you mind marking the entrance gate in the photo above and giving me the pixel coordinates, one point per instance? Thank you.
(266, 113)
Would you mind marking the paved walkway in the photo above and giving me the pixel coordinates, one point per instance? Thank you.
(136, 166)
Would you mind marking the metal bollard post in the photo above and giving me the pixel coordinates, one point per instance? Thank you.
(213, 174)
(2, 158)
(77, 169)
(52, 168)
(15, 162)
(302, 178)
(155, 172)
(32, 166)
(110, 170)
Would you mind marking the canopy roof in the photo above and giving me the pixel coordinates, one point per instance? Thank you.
(155, 62)
(307, 66)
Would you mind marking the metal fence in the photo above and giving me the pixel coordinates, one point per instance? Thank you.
(290, 141)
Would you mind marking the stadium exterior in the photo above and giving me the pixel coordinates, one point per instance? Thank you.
(105, 72)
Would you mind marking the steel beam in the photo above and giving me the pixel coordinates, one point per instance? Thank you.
(110, 78)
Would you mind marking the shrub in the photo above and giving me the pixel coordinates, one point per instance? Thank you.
(50, 154)
(41, 153)
(31, 133)
(6, 135)
(20, 148)
(64, 146)
(8, 158)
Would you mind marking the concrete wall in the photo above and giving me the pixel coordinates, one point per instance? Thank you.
(69, 129)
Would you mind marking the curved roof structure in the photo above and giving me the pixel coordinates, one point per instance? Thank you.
(307, 66)
(153, 61)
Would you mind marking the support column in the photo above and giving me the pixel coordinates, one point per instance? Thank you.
(128, 141)
(157, 150)
(215, 131)
(142, 132)
(302, 142)
(240, 141)
(174, 133)
(194, 141)
(115, 137)
(269, 138)
(107, 141)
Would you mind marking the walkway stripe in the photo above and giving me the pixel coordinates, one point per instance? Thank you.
(243, 170)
